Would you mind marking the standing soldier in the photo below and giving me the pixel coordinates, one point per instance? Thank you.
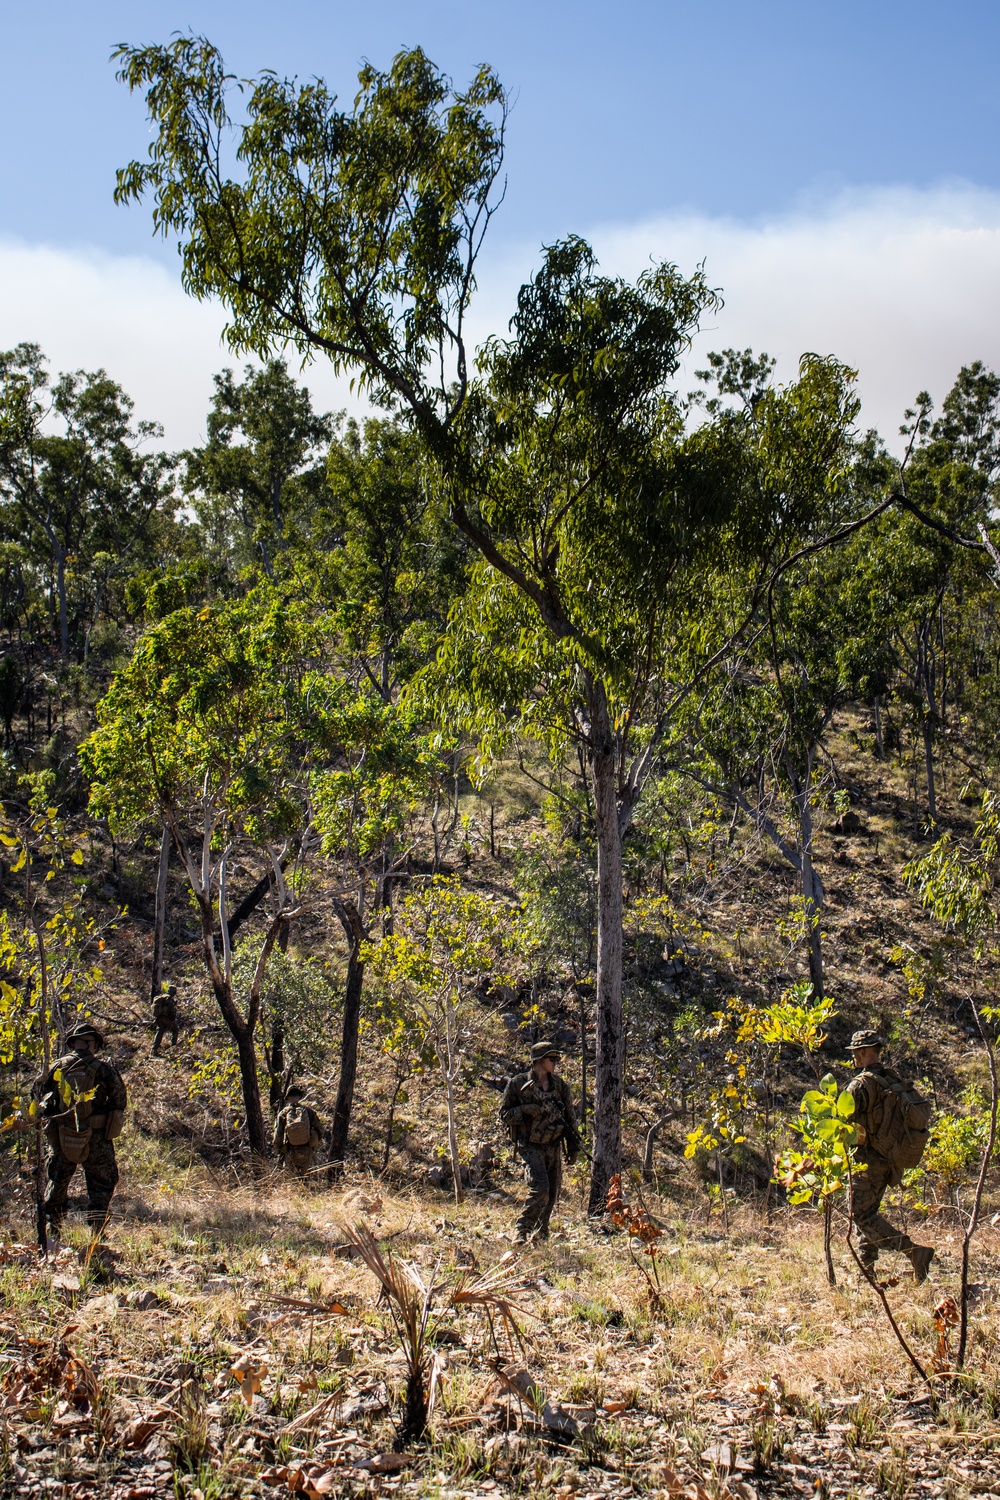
(892, 1120)
(83, 1100)
(165, 1018)
(297, 1131)
(538, 1109)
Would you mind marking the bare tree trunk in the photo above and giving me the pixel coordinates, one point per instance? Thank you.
(450, 1072)
(928, 734)
(879, 740)
(247, 1053)
(354, 931)
(811, 888)
(156, 981)
(583, 1056)
(609, 1063)
(63, 613)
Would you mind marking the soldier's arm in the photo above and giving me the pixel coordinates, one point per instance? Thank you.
(279, 1133)
(572, 1125)
(511, 1108)
(861, 1094)
(114, 1085)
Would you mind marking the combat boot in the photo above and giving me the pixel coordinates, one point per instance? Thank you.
(920, 1259)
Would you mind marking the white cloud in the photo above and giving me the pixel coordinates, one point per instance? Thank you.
(903, 284)
(129, 316)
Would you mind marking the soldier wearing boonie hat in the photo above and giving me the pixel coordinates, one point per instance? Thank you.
(83, 1099)
(297, 1131)
(892, 1119)
(538, 1110)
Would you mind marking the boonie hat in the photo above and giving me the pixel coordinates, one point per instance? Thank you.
(544, 1049)
(865, 1039)
(88, 1031)
(297, 1090)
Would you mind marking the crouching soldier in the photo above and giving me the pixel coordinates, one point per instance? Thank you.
(83, 1100)
(297, 1131)
(165, 1018)
(892, 1118)
(538, 1110)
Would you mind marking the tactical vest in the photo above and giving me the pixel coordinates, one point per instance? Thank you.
(550, 1125)
(72, 1122)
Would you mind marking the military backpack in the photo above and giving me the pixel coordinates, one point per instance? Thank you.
(298, 1126)
(902, 1134)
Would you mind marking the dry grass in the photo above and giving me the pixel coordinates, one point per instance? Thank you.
(752, 1364)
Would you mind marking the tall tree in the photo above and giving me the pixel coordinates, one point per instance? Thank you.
(262, 464)
(74, 482)
(357, 234)
(616, 543)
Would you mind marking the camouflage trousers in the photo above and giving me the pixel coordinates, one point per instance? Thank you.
(100, 1172)
(298, 1160)
(161, 1031)
(874, 1230)
(543, 1174)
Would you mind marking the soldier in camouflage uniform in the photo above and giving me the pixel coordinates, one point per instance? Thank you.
(538, 1109)
(294, 1119)
(81, 1130)
(868, 1188)
(165, 1018)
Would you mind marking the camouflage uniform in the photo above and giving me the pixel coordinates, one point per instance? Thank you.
(868, 1188)
(165, 1019)
(100, 1169)
(298, 1158)
(542, 1122)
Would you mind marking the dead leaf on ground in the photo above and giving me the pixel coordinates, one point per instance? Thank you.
(311, 1479)
(385, 1463)
(248, 1371)
(137, 1433)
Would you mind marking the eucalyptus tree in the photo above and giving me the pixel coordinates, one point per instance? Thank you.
(952, 480)
(261, 468)
(76, 489)
(228, 727)
(384, 553)
(598, 523)
(625, 557)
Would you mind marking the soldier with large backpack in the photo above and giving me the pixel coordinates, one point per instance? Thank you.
(83, 1100)
(297, 1131)
(165, 1018)
(893, 1120)
(537, 1109)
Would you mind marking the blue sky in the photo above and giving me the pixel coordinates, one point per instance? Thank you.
(754, 134)
(622, 110)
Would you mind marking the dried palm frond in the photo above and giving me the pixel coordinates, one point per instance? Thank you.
(410, 1301)
(491, 1293)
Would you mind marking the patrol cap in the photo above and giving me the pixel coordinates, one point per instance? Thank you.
(545, 1049)
(865, 1039)
(91, 1032)
(295, 1090)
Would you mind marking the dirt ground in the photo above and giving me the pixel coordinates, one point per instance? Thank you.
(228, 1341)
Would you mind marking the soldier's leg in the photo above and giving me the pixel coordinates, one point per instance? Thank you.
(553, 1166)
(536, 1175)
(157, 1040)
(875, 1232)
(101, 1172)
(300, 1160)
(59, 1172)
